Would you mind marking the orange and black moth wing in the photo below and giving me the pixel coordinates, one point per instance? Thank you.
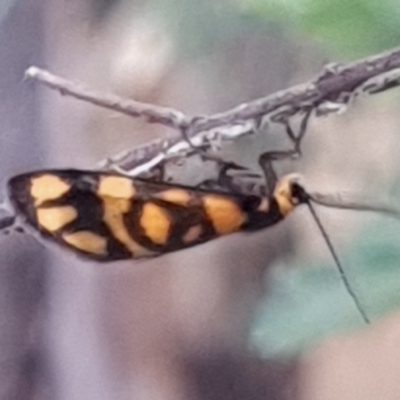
(107, 216)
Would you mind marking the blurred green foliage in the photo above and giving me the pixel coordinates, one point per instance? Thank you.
(349, 28)
(341, 28)
(202, 26)
(308, 303)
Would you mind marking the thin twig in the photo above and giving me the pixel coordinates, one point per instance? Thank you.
(331, 92)
(153, 113)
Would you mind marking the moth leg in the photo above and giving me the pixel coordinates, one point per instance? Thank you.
(224, 180)
(297, 139)
(266, 159)
(187, 137)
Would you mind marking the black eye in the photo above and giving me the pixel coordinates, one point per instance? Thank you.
(299, 193)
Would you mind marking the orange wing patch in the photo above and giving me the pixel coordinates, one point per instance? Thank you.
(192, 234)
(47, 187)
(224, 214)
(116, 186)
(175, 196)
(54, 218)
(114, 210)
(87, 241)
(155, 223)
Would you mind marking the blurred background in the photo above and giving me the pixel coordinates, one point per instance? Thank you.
(260, 316)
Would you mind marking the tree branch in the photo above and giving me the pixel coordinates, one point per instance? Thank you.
(155, 114)
(331, 92)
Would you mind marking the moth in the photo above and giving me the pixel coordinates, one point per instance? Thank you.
(106, 216)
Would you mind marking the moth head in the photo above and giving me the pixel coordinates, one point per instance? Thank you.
(289, 193)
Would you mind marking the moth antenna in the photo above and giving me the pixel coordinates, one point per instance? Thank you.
(348, 202)
(338, 263)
